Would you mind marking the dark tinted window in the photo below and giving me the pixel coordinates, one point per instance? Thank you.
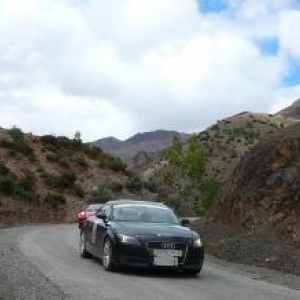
(144, 213)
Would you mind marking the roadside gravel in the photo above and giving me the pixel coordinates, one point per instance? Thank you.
(19, 279)
(258, 248)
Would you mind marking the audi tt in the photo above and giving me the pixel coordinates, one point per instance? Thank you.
(131, 233)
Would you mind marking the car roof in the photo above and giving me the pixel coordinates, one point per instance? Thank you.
(133, 201)
(94, 205)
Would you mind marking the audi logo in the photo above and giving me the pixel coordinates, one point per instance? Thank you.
(168, 246)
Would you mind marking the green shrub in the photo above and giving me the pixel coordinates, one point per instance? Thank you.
(101, 195)
(58, 158)
(27, 182)
(53, 157)
(40, 169)
(79, 191)
(134, 184)
(19, 146)
(61, 143)
(151, 186)
(116, 187)
(93, 152)
(3, 169)
(108, 161)
(64, 163)
(51, 179)
(29, 196)
(55, 200)
(67, 180)
(63, 181)
(80, 160)
(210, 190)
(8, 185)
(16, 134)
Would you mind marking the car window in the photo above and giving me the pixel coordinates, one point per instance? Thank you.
(144, 213)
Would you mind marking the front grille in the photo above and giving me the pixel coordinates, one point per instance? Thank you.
(166, 245)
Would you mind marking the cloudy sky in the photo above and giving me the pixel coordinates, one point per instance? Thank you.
(118, 67)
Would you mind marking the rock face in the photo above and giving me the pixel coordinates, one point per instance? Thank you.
(264, 190)
(292, 111)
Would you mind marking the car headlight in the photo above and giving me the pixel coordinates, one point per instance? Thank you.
(127, 239)
(197, 242)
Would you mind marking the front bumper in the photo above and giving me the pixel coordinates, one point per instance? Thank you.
(141, 256)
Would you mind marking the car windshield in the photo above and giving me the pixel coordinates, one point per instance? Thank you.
(144, 213)
(93, 207)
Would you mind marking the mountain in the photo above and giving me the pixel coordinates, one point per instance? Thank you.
(141, 148)
(50, 178)
(292, 111)
(264, 190)
(226, 142)
(108, 143)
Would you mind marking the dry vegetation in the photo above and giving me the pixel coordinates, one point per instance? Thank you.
(50, 178)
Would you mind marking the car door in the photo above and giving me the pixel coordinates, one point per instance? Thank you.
(102, 228)
(88, 230)
(94, 229)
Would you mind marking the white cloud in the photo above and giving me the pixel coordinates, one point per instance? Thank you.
(119, 67)
(289, 37)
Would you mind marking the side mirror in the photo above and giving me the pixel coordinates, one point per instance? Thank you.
(101, 215)
(185, 222)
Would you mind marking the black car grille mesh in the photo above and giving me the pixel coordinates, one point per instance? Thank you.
(166, 245)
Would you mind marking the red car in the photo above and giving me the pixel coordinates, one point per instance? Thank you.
(87, 213)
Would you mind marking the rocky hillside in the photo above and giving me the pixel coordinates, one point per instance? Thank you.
(264, 191)
(226, 142)
(50, 178)
(140, 149)
(292, 111)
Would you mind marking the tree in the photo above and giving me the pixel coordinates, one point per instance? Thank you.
(77, 136)
(186, 176)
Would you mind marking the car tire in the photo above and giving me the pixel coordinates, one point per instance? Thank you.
(82, 246)
(107, 253)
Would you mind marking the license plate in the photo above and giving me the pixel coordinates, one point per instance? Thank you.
(165, 260)
(166, 257)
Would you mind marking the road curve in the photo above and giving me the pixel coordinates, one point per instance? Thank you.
(53, 250)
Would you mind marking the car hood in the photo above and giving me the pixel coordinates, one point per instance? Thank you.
(151, 230)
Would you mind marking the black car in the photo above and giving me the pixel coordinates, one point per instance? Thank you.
(141, 234)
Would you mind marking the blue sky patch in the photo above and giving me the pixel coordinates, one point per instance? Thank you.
(293, 77)
(212, 6)
(268, 46)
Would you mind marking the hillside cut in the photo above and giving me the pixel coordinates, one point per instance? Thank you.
(264, 190)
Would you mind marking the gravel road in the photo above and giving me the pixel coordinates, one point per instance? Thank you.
(42, 262)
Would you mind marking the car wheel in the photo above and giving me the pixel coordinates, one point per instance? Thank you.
(107, 261)
(82, 246)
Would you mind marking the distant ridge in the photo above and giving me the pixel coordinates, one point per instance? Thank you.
(149, 143)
